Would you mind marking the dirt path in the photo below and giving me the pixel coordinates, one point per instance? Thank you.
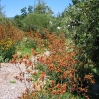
(10, 88)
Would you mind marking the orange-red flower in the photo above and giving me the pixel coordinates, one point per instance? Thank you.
(58, 86)
(34, 73)
(34, 52)
(27, 56)
(52, 83)
(15, 57)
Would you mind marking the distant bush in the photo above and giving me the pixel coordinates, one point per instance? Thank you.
(35, 21)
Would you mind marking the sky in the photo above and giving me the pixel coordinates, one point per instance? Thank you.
(13, 7)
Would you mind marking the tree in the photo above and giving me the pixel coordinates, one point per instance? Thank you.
(17, 19)
(75, 1)
(93, 28)
(30, 9)
(35, 21)
(1, 8)
(84, 21)
(23, 11)
(41, 8)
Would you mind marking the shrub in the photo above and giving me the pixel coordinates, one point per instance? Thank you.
(9, 37)
(35, 21)
(7, 47)
(59, 71)
(63, 69)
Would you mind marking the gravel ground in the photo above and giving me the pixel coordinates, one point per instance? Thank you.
(10, 88)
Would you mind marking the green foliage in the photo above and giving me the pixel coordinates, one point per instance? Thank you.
(18, 18)
(23, 11)
(75, 1)
(7, 39)
(4, 20)
(30, 9)
(35, 21)
(12, 81)
(41, 8)
(25, 47)
(84, 21)
(6, 55)
(30, 44)
(1, 57)
(18, 21)
(37, 18)
(41, 67)
(1, 10)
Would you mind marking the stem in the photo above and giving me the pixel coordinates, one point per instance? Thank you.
(23, 76)
(0, 65)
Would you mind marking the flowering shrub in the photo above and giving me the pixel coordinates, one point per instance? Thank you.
(62, 67)
(58, 72)
(7, 49)
(5, 44)
(34, 39)
(9, 31)
(9, 37)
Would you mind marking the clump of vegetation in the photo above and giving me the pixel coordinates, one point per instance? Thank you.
(9, 37)
(58, 73)
(69, 68)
